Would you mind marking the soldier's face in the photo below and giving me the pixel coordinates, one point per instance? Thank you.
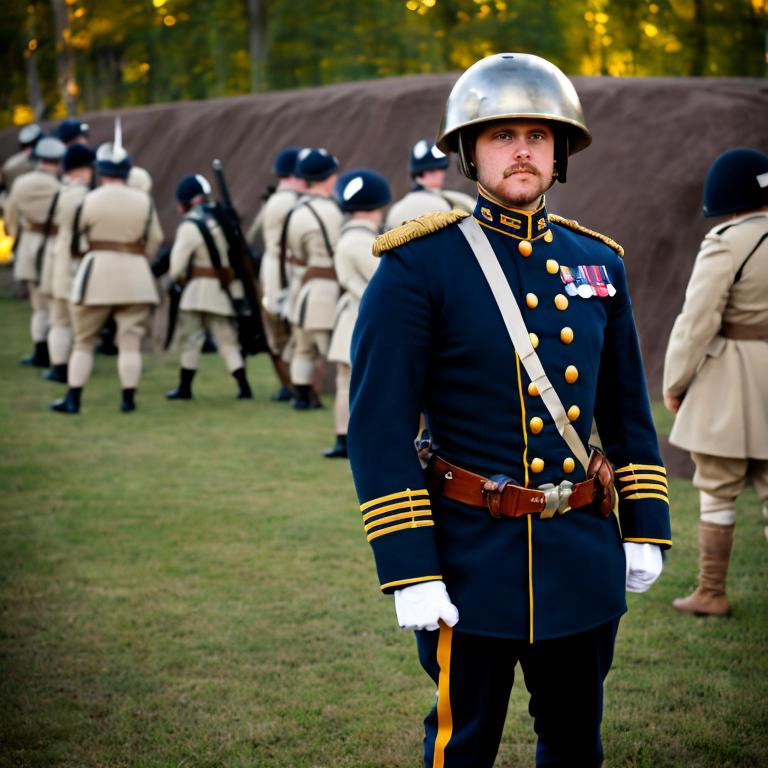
(515, 161)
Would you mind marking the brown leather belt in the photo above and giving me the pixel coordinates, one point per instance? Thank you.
(742, 332)
(40, 228)
(319, 273)
(511, 500)
(225, 274)
(113, 245)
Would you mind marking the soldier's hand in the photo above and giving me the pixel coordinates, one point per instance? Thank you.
(422, 606)
(644, 564)
(672, 402)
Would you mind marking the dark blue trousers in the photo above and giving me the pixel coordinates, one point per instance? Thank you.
(474, 676)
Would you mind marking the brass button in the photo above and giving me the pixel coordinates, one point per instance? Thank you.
(534, 340)
(574, 412)
(571, 374)
(566, 335)
(532, 300)
(525, 248)
(561, 301)
(548, 236)
(533, 390)
(536, 424)
(552, 266)
(568, 465)
(537, 465)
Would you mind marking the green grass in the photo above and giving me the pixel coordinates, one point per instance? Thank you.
(189, 585)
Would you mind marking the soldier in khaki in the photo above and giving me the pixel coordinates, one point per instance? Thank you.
(312, 230)
(30, 210)
(716, 366)
(77, 165)
(21, 162)
(114, 278)
(362, 194)
(269, 225)
(428, 166)
(210, 286)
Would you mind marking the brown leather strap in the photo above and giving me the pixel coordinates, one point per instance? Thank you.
(319, 273)
(41, 228)
(742, 332)
(509, 500)
(114, 245)
(226, 274)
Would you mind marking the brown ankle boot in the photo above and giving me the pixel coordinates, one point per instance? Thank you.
(709, 598)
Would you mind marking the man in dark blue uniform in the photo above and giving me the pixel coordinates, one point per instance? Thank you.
(512, 545)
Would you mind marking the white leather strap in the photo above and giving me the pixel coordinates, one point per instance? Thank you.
(513, 319)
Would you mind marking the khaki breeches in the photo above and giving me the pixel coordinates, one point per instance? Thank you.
(132, 321)
(341, 410)
(278, 334)
(725, 478)
(38, 326)
(192, 330)
(60, 331)
(310, 347)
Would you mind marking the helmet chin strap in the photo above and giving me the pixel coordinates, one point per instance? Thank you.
(466, 166)
(561, 156)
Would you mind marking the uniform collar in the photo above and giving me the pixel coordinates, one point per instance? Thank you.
(522, 225)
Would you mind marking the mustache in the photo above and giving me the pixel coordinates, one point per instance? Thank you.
(520, 167)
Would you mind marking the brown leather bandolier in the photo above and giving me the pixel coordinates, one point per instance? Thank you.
(509, 500)
(226, 274)
(112, 245)
(42, 229)
(319, 273)
(742, 332)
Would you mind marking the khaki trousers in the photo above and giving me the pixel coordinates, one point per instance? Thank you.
(60, 331)
(192, 330)
(725, 478)
(310, 348)
(39, 301)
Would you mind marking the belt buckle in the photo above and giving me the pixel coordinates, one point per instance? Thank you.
(556, 498)
(492, 491)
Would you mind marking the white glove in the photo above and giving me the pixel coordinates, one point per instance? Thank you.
(421, 605)
(644, 564)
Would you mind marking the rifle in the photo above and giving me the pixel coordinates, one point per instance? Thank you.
(250, 329)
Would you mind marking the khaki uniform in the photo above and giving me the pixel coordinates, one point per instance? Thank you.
(65, 266)
(114, 279)
(723, 419)
(13, 167)
(313, 288)
(271, 220)
(26, 211)
(139, 178)
(204, 304)
(420, 201)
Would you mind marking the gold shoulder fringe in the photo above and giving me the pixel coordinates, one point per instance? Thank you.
(411, 230)
(574, 225)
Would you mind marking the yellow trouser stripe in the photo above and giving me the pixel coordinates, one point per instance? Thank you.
(424, 513)
(530, 580)
(444, 714)
(393, 528)
(407, 504)
(399, 495)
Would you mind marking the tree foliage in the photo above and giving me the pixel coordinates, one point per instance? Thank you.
(109, 53)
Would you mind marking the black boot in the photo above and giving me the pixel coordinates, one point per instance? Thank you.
(70, 403)
(304, 398)
(57, 373)
(127, 403)
(244, 388)
(283, 395)
(184, 390)
(339, 451)
(39, 357)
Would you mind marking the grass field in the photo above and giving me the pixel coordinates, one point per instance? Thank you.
(189, 586)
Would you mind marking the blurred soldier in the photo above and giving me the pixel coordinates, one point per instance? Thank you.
(716, 366)
(311, 232)
(77, 165)
(511, 329)
(200, 259)
(362, 194)
(72, 131)
(269, 224)
(30, 211)
(21, 162)
(114, 277)
(428, 166)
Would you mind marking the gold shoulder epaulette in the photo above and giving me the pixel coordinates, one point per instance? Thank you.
(576, 227)
(415, 228)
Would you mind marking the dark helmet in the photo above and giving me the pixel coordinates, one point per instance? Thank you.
(285, 162)
(29, 135)
(361, 190)
(513, 85)
(69, 129)
(736, 181)
(315, 164)
(191, 187)
(78, 156)
(49, 150)
(425, 156)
